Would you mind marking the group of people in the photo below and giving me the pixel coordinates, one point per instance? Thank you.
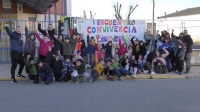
(70, 58)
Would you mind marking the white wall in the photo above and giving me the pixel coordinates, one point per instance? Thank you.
(69, 8)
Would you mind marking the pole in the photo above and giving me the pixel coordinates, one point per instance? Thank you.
(153, 17)
(55, 16)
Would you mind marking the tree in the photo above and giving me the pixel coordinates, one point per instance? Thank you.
(131, 9)
(117, 11)
(84, 15)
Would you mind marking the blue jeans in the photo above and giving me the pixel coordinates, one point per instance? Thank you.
(90, 59)
(121, 71)
(168, 61)
(141, 66)
(46, 78)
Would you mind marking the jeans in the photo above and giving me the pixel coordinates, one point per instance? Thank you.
(16, 58)
(121, 71)
(46, 78)
(90, 59)
(133, 70)
(188, 61)
(168, 62)
(75, 74)
(141, 66)
(35, 78)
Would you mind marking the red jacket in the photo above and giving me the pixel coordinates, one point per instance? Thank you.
(44, 46)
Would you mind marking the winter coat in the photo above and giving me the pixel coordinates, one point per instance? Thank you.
(133, 63)
(122, 48)
(50, 32)
(108, 48)
(91, 47)
(46, 69)
(31, 68)
(99, 68)
(44, 46)
(73, 44)
(181, 53)
(80, 69)
(188, 42)
(16, 41)
(30, 44)
(99, 53)
(66, 47)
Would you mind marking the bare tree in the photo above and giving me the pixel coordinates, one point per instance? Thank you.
(117, 11)
(131, 9)
(84, 15)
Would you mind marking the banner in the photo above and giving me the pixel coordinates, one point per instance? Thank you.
(111, 30)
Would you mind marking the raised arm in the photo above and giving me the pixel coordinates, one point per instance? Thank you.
(166, 53)
(9, 32)
(88, 39)
(132, 41)
(40, 29)
(26, 32)
(120, 43)
(96, 58)
(38, 37)
(47, 34)
(97, 47)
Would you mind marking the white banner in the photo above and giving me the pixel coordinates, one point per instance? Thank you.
(111, 30)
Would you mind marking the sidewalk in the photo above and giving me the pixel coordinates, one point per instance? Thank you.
(194, 73)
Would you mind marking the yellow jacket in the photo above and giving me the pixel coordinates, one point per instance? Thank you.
(99, 68)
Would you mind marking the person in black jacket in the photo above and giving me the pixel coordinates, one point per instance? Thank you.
(142, 49)
(45, 72)
(16, 52)
(51, 31)
(188, 42)
(108, 48)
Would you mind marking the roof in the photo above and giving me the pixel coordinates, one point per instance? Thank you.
(37, 5)
(186, 12)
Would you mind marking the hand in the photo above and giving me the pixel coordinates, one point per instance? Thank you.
(96, 52)
(6, 25)
(58, 52)
(55, 36)
(46, 31)
(157, 31)
(164, 48)
(36, 31)
(39, 22)
(50, 48)
(172, 30)
(36, 56)
(88, 35)
(28, 56)
(85, 67)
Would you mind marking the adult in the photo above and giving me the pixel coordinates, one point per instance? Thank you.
(188, 42)
(50, 30)
(16, 52)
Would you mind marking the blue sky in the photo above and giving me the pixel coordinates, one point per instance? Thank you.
(104, 8)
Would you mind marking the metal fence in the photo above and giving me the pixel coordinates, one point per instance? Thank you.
(5, 39)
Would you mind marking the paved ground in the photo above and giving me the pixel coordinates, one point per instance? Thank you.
(102, 96)
(195, 72)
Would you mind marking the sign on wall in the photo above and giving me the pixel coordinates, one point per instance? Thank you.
(6, 5)
(105, 30)
(19, 8)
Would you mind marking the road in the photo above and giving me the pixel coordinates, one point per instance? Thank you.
(102, 96)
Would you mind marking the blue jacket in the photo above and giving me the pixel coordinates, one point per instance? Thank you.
(16, 41)
(91, 48)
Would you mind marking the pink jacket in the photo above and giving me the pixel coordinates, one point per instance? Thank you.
(100, 53)
(44, 46)
(122, 48)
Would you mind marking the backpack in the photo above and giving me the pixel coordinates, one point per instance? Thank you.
(147, 66)
(162, 69)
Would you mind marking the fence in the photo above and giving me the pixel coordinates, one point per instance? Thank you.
(177, 25)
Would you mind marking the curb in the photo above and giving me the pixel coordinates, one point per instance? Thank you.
(128, 78)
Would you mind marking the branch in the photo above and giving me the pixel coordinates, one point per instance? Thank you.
(134, 8)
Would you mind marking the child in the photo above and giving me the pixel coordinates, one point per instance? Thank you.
(180, 54)
(109, 71)
(45, 72)
(122, 60)
(68, 69)
(166, 45)
(123, 48)
(78, 56)
(133, 66)
(100, 53)
(141, 63)
(159, 64)
(108, 49)
(73, 42)
(142, 49)
(66, 45)
(80, 70)
(31, 68)
(97, 70)
(44, 45)
(115, 52)
(91, 50)
(130, 52)
(57, 66)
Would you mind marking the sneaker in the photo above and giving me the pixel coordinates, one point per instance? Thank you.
(180, 73)
(186, 72)
(90, 80)
(121, 78)
(127, 75)
(19, 76)
(13, 80)
(152, 73)
(69, 81)
(145, 71)
(111, 78)
(133, 76)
